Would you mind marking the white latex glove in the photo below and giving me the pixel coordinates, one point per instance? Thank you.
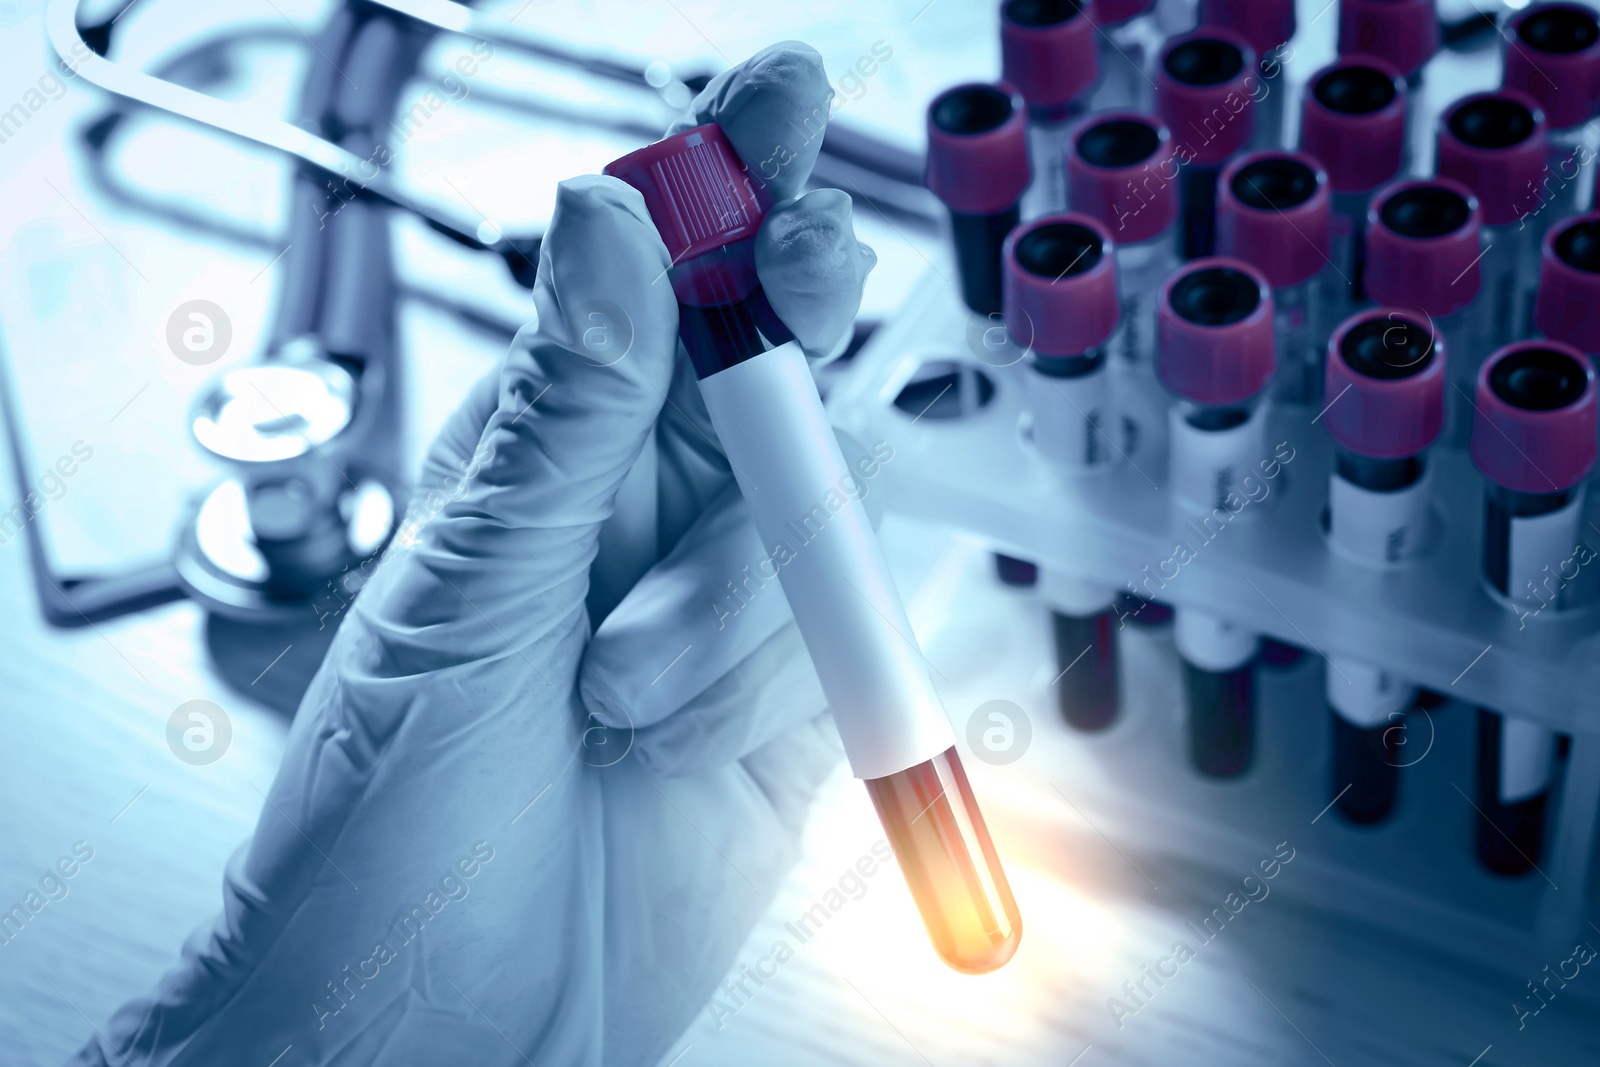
(456, 864)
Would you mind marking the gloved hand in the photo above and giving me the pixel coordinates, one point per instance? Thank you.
(462, 861)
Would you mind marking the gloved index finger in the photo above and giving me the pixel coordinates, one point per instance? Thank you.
(774, 109)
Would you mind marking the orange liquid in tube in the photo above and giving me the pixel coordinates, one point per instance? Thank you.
(763, 403)
(949, 862)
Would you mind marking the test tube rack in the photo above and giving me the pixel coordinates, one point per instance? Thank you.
(963, 459)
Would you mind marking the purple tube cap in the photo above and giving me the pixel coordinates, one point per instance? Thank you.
(1121, 171)
(1214, 341)
(1353, 118)
(1534, 428)
(1567, 306)
(1266, 24)
(1405, 32)
(702, 201)
(1385, 375)
(1204, 85)
(1422, 245)
(1048, 49)
(978, 148)
(1273, 213)
(1552, 53)
(1494, 143)
(1060, 285)
(696, 190)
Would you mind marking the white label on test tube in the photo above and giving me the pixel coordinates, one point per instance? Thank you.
(1364, 695)
(1527, 756)
(1071, 417)
(1210, 642)
(794, 478)
(1376, 526)
(1539, 545)
(1206, 466)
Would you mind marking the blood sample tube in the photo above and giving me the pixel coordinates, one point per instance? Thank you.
(1494, 144)
(1388, 370)
(1353, 119)
(1215, 354)
(770, 421)
(1203, 94)
(1273, 213)
(978, 167)
(1567, 305)
(1406, 34)
(1048, 53)
(1127, 37)
(1552, 53)
(1533, 439)
(1422, 253)
(1061, 307)
(1267, 25)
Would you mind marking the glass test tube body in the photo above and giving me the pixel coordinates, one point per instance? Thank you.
(1341, 285)
(1048, 128)
(1213, 449)
(1377, 511)
(1299, 327)
(1071, 401)
(772, 426)
(1463, 340)
(1142, 267)
(1509, 265)
(1526, 536)
(1125, 49)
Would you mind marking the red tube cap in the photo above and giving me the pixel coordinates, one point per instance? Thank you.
(1203, 93)
(1534, 428)
(1552, 53)
(1422, 245)
(1060, 285)
(978, 148)
(1048, 49)
(1385, 383)
(1353, 119)
(1405, 32)
(1214, 332)
(1567, 307)
(1494, 144)
(1272, 212)
(1120, 170)
(702, 200)
(1264, 23)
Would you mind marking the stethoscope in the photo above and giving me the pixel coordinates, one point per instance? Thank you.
(307, 436)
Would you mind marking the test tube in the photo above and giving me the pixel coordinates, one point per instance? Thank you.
(1552, 53)
(1061, 307)
(1567, 305)
(1494, 144)
(1215, 354)
(1387, 368)
(1048, 53)
(1126, 37)
(1203, 94)
(1533, 439)
(1273, 213)
(770, 421)
(1268, 25)
(978, 167)
(1422, 253)
(1406, 34)
(1353, 119)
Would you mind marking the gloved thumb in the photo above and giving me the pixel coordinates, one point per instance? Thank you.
(577, 396)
